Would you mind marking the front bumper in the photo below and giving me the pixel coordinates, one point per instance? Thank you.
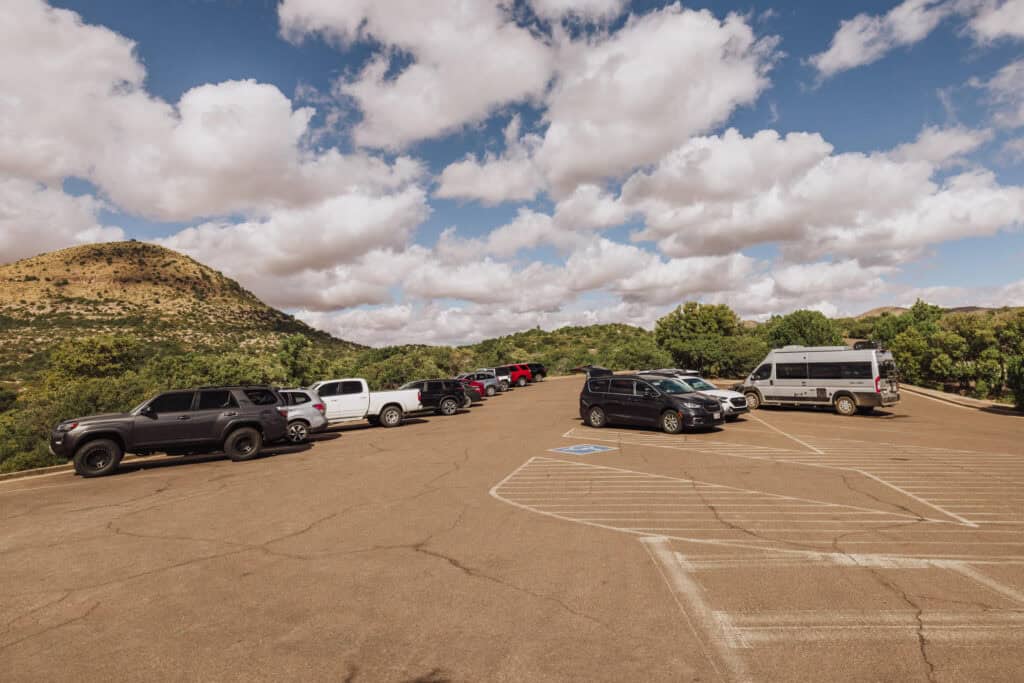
(59, 445)
(702, 419)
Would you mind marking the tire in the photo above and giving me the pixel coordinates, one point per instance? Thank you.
(298, 431)
(596, 417)
(753, 400)
(521, 382)
(468, 403)
(449, 406)
(243, 444)
(670, 422)
(538, 377)
(845, 405)
(391, 416)
(490, 390)
(98, 458)
(504, 385)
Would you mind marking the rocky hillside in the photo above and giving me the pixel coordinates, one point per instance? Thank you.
(132, 288)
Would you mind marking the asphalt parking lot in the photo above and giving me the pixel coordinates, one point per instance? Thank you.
(791, 545)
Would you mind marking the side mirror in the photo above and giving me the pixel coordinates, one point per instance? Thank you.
(650, 393)
(148, 411)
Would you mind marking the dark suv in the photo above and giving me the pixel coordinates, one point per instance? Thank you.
(538, 370)
(443, 396)
(238, 420)
(660, 402)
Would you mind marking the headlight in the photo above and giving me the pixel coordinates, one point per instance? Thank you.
(691, 405)
(66, 426)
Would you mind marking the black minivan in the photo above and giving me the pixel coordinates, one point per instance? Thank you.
(649, 401)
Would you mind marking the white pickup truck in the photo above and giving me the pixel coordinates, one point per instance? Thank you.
(349, 400)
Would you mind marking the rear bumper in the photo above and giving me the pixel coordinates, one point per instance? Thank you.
(875, 400)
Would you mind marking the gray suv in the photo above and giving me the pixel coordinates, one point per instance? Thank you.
(238, 420)
(490, 381)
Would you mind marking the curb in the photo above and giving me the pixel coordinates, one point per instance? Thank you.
(954, 399)
(38, 470)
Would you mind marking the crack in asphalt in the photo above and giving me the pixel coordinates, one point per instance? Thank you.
(50, 629)
(898, 506)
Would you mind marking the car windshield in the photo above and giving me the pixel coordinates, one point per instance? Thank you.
(670, 386)
(699, 384)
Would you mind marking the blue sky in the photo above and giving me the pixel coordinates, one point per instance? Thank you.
(257, 137)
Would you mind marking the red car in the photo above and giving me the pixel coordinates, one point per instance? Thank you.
(479, 386)
(519, 374)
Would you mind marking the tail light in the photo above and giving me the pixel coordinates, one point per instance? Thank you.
(419, 396)
(878, 385)
(320, 407)
(282, 411)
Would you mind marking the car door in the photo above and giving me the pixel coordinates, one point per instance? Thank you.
(791, 381)
(353, 399)
(165, 421)
(761, 379)
(619, 403)
(330, 393)
(646, 404)
(213, 409)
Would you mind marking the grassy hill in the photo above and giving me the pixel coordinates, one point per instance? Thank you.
(137, 288)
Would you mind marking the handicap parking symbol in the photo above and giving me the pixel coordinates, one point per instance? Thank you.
(583, 449)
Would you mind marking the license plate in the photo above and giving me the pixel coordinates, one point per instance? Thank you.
(717, 416)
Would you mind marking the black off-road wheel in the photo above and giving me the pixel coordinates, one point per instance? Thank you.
(671, 422)
(98, 458)
(391, 416)
(596, 417)
(298, 431)
(243, 444)
(449, 406)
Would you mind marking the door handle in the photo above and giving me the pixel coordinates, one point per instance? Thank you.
(771, 382)
(230, 414)
(183, 417)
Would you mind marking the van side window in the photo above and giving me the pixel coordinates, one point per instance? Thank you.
(839, 370)
(791, 370)
(599, 386)
(621, 386)
(763, 372)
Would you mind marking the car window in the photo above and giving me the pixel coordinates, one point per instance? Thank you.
(763, 372)
(791, 370)
(351, 387)
(435, 387)
(887, 369)
(174, 402)
(296, 398)
(621, 386)
(216, 400)
(699, 384)
(598, 386)
(261, 397)
(671, 386)
(641, 387)
(329, 389)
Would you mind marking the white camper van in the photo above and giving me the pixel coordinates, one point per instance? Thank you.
(851, 380)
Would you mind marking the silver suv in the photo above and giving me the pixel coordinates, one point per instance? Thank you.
(503, 376)
(492, 384)
(307, 414)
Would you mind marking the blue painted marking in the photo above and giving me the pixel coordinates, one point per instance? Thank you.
(583, 449)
